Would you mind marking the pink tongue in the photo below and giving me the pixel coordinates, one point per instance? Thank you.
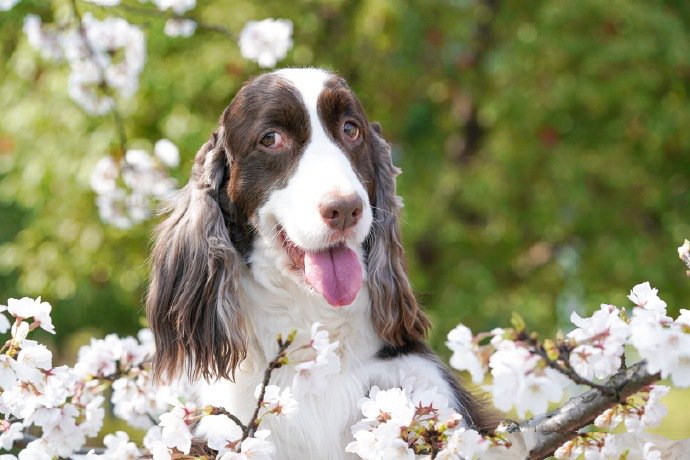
(336, 274)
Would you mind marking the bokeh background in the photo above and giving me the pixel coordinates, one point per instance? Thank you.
(545, 148)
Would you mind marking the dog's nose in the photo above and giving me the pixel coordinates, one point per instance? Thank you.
(341, 212)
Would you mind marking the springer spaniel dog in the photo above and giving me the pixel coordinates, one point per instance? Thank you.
(291, 217)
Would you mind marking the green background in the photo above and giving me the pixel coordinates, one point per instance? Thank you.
(544, 146)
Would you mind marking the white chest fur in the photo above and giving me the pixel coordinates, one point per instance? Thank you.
(321, 428)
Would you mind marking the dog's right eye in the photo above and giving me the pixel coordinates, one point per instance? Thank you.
(272, 140)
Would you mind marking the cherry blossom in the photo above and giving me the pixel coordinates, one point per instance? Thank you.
(220, 432)
(266, 41)
(179, 27)
(465, 353)
(6, 5)
(601, 340)
(178, 6)
(312, 372)
(520, 381)
(30, 308)
(254, 448)
(277, 401)
(175, 424)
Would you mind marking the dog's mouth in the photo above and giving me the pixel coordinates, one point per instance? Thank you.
(334, 272)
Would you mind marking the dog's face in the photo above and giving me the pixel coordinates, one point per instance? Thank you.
(303, 177)
(294, 173)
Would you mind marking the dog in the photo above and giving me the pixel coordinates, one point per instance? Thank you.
(290, 217)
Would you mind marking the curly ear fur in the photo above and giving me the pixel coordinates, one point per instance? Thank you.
(395, 312)
(192, 304)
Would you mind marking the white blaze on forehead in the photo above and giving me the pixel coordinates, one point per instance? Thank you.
(310, 83)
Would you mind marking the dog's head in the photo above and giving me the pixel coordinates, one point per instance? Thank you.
(296, 172)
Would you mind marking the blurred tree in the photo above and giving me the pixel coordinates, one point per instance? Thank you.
(543, 143)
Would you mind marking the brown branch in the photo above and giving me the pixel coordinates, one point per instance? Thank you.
(552, 430)
(562, 365)
(277, 362)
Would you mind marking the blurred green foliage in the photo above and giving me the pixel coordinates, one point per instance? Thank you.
(544, 146)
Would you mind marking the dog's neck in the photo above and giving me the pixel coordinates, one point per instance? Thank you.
(275, 305)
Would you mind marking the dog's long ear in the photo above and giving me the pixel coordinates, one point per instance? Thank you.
(396, 314)
(192, 304)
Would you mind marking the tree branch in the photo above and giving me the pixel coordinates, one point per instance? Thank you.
(552, 430)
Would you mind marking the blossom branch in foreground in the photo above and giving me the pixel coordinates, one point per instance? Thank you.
(551, 430)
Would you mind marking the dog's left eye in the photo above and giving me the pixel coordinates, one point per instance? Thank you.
(351, 130)
(272, 140)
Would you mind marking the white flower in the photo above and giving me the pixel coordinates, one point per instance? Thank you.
(179, 27)
(465, 356)
(277, 402)
(37, 450)
(465, 444)
(635, 418)
(175, 431)
(382, 443)
(99, 357)
(384, 405)
(10, 433)
(684, 318)
(29, 360)
(153, 442)
(254, 448)
(312, 374)
(104, 175)
(47, 42)
(666, 348)
(601, 340)
(27, 308)
(115, 56)
(219, 431)
(631, 446)
(267, 41)
(178, 6)
(167, 152)
(4, 322)
(118, 447)
(643, 295)
(7, 376)
(517, 381)
(6, 5)
(19, 332)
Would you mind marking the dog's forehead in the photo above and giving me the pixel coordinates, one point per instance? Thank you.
(308, 81)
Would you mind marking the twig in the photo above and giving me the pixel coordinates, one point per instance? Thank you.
(562, 365)
(117, 116)
(277, 362)
(552, 430)
(234, 418)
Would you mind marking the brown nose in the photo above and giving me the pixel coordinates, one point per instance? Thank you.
(341, 212)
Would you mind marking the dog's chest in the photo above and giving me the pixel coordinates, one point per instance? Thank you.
(321, 427)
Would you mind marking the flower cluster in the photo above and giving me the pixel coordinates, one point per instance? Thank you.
(267, 41)
(144, 177)
(65, 406)
(639, 412)
(314, 362)
(35, 394)
(105, 57)
(413, 423)
(660, 340)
